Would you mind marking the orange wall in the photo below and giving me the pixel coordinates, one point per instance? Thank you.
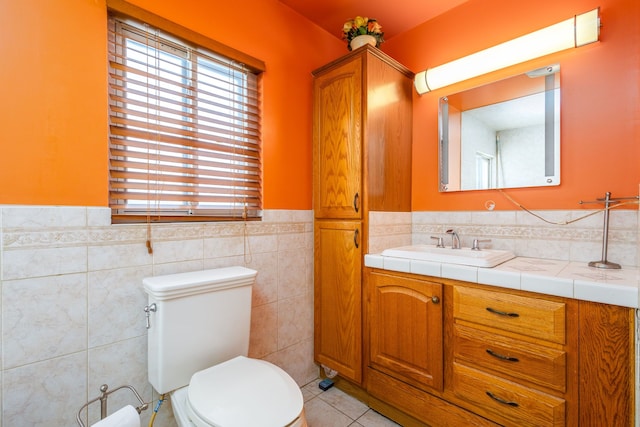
(600, 119)
(53, 118)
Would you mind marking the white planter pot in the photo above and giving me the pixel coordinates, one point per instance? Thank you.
(361, 40)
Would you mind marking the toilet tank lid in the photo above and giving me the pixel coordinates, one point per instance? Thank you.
(196, 282)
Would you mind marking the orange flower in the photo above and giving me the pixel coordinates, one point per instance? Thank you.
(374, 27)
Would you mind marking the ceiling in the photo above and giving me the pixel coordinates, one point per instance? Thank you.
(395, 16)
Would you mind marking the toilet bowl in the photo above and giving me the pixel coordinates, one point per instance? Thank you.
(239, 393)
(198, 327)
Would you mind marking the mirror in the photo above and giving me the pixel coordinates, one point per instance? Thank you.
(505, 134)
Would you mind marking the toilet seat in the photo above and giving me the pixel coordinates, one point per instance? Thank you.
(243, 392)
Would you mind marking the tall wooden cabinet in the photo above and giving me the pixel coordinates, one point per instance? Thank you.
(362, 126)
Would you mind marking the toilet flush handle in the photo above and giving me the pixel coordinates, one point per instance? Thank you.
(148, 309)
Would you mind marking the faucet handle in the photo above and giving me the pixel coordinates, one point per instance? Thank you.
(476, 243)
(440, 243)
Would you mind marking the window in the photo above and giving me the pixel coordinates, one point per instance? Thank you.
(184, 130)
(484, 171)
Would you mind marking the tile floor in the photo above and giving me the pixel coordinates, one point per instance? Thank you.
(335, 408)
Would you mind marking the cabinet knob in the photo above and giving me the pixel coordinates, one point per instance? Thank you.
(435, 299)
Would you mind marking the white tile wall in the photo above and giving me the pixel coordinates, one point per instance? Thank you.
(43, 318)
(389, 230)
(72, 302)
(529, 236)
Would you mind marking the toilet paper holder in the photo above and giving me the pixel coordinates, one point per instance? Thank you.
(105, 392)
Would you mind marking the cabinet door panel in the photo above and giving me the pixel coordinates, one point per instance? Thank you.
(337, 141)
(337, 299)
(406, 329)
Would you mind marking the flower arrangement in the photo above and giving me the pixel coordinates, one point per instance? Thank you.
(359, 26)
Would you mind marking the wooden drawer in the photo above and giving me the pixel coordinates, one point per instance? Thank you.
(426, 407)
(506, 402)
(534, 317)
(536, 364)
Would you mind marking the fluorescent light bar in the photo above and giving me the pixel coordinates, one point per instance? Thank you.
(573, 32)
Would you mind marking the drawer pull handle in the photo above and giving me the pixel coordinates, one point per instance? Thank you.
(501, 400)
(502, 313)
(502, 357)
(356, 237)
(356, 202)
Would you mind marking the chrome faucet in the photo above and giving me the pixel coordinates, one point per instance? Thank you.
(455, 239)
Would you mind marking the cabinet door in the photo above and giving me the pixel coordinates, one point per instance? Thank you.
(337, 298)
(337, 140)
(406, 329)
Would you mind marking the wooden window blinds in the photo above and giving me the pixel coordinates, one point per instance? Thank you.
(184, 130)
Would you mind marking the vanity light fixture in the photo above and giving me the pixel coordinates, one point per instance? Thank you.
(573, 32)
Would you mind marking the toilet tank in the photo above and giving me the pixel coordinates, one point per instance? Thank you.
(201, 318)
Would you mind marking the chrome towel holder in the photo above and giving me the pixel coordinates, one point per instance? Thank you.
(608, 204)
(105, 392)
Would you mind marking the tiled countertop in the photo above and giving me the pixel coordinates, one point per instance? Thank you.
(560, 278)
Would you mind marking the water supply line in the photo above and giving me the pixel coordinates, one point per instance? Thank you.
(155, 410)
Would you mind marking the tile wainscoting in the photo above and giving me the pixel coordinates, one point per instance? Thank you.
(518, 231)
(72, 296)
(72, 302)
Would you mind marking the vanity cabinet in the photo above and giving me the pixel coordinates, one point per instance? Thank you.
(484, 355)
(362, 130)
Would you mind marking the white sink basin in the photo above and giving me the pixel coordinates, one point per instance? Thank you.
(464, 256)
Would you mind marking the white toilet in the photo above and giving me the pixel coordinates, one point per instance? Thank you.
(198, 335)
